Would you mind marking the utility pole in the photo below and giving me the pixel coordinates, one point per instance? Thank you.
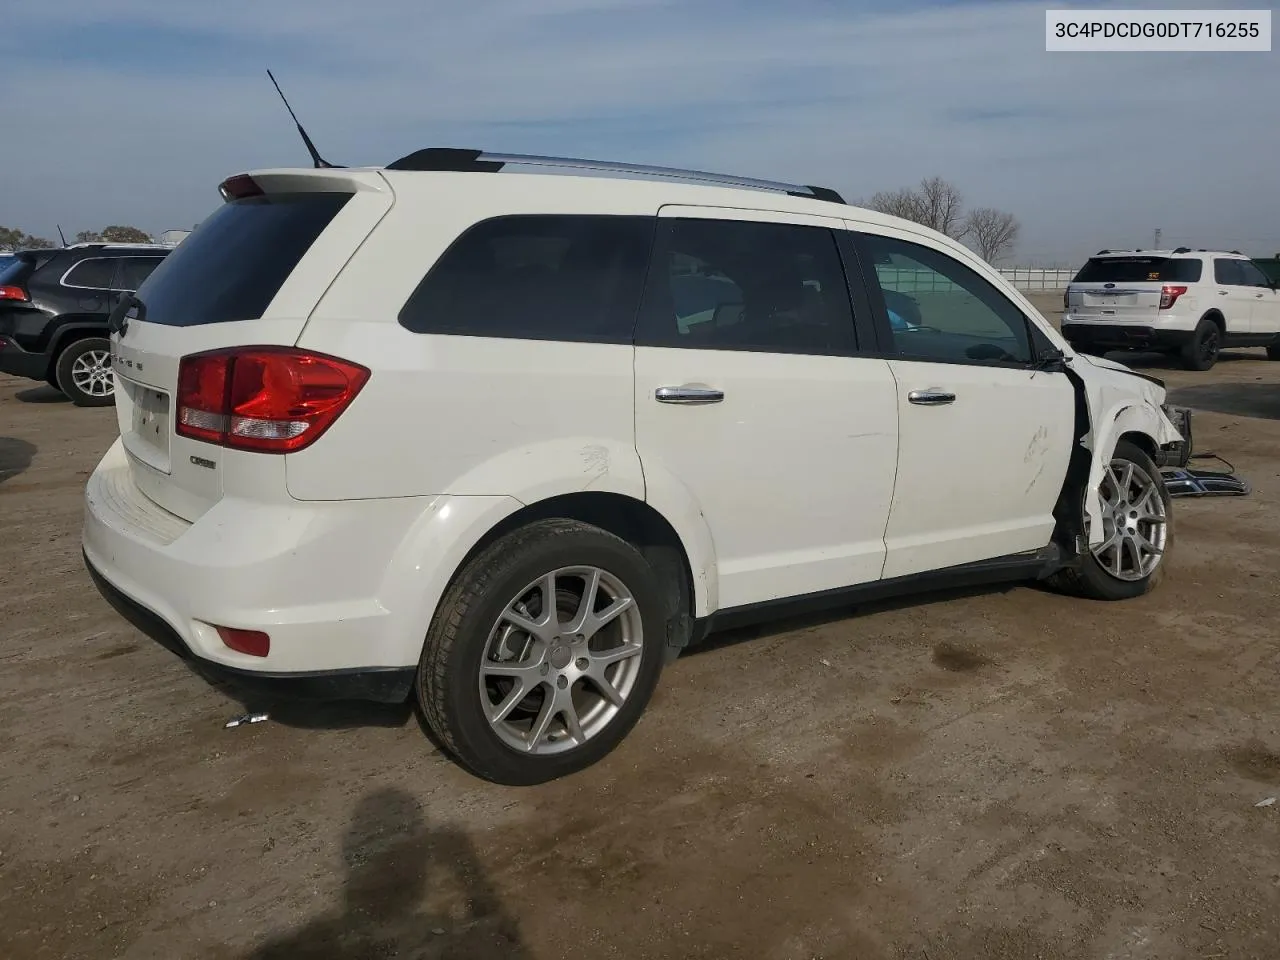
(1157, 243)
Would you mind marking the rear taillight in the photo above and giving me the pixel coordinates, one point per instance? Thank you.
(1169, 295)
(12, 293)
(269, 399)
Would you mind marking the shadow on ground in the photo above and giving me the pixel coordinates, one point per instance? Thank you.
(1261, 400)
(45, 394)
(410, 890)
(1139, 360)
(15, 457)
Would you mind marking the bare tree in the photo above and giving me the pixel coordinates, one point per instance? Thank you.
(991, 233)
(936, 204)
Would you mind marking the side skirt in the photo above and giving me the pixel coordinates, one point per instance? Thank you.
(1034, 565)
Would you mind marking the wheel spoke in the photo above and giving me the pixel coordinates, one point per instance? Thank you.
(499, 713)
(607, 689)
(582, 620)
(543, 628)
(604, 658)
(1128, 480)
(572, 723)
(543, 723)
(1134, 552)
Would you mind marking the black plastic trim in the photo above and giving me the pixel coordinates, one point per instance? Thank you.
(438, 159)
(378, 684)
(1033, 565)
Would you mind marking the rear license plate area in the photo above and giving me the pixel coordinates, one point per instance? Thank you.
(148, 434)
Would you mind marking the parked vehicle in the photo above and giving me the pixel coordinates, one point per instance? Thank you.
(54, 306)
(509, 442)
(1190, 303)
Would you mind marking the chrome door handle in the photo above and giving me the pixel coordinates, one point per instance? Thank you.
(688, 395)
(931, 397)
(1258, 296)
(1223, 293)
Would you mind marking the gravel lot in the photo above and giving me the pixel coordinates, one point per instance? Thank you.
(1005, 773)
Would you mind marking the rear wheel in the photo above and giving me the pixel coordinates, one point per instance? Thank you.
(1273, 352)
(1136, 531)
(543, 652)
(1201, 351)
(83, 373)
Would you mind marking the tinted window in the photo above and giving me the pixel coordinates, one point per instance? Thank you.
(94, 273)
(940, 309)
(133, 270)
(735, 285)
(10, 267)
(537, 278)
(232, 267)
(1251, 276)
(1140, 270)
(1227, 272)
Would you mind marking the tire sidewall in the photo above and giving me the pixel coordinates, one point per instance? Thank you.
(505, 574)
(1104, 585)
(63, 372)
(1193, 353)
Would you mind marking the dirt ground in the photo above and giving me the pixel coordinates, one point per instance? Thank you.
(999, 774)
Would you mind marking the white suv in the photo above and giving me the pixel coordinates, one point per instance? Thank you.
(1186, 302)
(509, 441)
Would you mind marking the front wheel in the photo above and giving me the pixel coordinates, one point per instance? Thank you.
(1137, 533)
(83, 373)
(543, 652)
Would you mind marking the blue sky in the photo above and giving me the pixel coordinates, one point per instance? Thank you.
(133, 111)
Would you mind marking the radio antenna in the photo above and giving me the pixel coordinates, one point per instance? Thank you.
(319, 161)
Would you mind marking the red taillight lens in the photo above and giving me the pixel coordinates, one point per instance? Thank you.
(253, 642)
(1169, 295)
(239, 187)
(12, 293)
(270, 399)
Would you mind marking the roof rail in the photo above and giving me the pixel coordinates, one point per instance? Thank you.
(478, 161)
(1101, 252)
(1183, 250)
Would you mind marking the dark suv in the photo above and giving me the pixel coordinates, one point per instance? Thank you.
(54, 306)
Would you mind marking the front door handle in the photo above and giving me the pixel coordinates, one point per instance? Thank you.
(1223, 293)
(932, 397)
(689, 395)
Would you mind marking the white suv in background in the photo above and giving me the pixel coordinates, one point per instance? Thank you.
(1191, 303)
(509, 441)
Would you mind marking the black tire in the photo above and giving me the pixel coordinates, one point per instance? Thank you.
(448, 680)
(1087, 577)
(1201, 351)
(1273, 352)
(65, 372)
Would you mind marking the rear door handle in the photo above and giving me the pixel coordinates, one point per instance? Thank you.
(690, 395)
(932, 397)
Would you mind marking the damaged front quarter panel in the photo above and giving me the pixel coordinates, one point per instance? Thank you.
(1120, 401)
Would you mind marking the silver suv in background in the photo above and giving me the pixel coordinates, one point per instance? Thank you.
(1189, 303)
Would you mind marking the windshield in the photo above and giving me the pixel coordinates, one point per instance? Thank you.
(234, 264)
(1139, 270)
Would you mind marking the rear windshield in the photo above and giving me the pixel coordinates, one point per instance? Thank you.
(232, 266)
(1140, 270)
(10, 267)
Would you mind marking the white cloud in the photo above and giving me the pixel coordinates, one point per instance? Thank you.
(1089, 150)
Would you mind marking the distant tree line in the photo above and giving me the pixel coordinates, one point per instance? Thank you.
(11, 238)
(938, 204)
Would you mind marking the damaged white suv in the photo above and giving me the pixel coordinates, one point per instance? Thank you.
(509, 441)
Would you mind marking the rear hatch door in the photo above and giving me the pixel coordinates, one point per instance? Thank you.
(1125, 289)
(249, 275)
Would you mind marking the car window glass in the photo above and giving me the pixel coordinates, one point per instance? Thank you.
(575, 278)
(133, 270)
(1227, 272)
(1251, 276)
(1139, 270)
(940, 309)
(94, 273)
(742, 285)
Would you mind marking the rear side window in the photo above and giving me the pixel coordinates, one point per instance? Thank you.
(94, 273)
(133, 270)
(10, 270)
(543, 277)
(1140, 270)
(744, 285)
(1252, 276)
(1227, 273)
(235, 263)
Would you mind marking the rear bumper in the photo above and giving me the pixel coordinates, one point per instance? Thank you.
(326, 581)
(1119, 336)
(383, 685)
(21, 363)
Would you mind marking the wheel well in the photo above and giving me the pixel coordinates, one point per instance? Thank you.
(631, 520)
(64, 339)
(1217, 318)
(1142, 442)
